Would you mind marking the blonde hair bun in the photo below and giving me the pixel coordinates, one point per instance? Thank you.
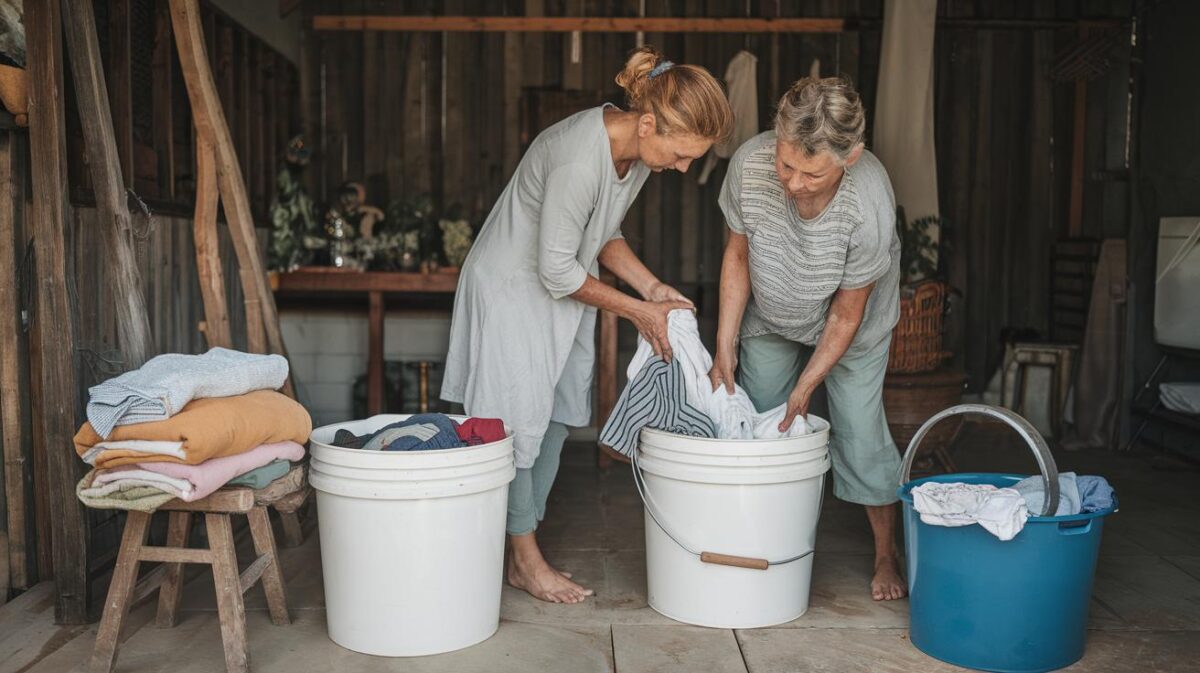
(682, 98)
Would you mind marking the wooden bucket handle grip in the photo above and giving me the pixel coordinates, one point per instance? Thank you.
(735, 561)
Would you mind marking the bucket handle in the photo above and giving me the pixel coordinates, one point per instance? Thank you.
(715, 558)
(1024, 428)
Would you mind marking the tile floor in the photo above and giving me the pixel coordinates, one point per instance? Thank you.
(1145, 614)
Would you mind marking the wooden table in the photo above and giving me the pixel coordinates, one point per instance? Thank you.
(375, 285)
(398, 287)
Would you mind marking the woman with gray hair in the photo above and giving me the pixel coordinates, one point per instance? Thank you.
(810, 291)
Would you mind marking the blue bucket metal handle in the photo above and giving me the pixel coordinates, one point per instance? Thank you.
(1023, 427)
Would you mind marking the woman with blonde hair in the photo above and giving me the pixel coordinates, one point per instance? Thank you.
(522, 335)
(810, 291)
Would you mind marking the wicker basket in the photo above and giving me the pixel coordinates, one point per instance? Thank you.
(917, 339)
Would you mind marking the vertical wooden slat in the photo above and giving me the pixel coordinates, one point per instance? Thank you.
(572, 50)
(121, 82)
(455, 134)
(43, 25)
(13, 403)
(374, 82)
(534, 49)
(124, 282)
(164, 123)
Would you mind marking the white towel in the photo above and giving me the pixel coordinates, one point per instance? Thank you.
(733, 415)
(162, 386)
(179, 487)
(165, 448)
(1001, 511)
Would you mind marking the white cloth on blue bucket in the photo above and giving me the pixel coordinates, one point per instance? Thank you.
(160, 388)
(1076, 494)
(1000, 511)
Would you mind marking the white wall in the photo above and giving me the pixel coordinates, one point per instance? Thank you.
(328, 350)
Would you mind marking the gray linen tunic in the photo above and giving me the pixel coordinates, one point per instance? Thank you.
(521, 349)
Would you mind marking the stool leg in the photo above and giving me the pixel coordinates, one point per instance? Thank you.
(229, 593)
(171, 591)
(120, 592)
(272, 578)
(293, 532)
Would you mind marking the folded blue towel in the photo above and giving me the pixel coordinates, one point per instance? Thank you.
(1095, 493)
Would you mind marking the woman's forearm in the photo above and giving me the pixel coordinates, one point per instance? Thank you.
(841, 325)
(618, 257)
(735, 290)
(606, 297)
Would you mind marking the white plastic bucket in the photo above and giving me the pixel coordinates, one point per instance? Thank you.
(412, 543)
(756, 499)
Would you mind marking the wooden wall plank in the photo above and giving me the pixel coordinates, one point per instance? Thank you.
(14, 404)
(121, 81)
(58, 392)
(124, 283)
(164, 123)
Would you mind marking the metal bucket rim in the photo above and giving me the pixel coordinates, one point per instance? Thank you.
(904, 494)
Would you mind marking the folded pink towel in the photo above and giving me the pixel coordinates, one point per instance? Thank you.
(210, 475)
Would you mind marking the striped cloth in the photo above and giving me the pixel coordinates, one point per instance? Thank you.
(655, 398)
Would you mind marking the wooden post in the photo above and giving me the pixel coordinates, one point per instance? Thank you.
(208, 249)
(128, 304)
(211, 124)
(375, 366)
(13, 405)
(58, 390)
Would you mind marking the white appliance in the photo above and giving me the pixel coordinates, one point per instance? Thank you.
(1177, 289)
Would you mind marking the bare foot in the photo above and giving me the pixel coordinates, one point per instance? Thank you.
(529, 572)
(888, 584)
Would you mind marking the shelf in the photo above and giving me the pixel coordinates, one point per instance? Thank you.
(1173, 417)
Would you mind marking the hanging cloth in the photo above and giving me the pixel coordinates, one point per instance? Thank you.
(741, 80)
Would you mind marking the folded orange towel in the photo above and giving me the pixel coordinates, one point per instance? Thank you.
(205, 428)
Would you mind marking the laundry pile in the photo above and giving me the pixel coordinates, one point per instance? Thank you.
(183, 426)
(677, 397)
(1003, 511)
(425, 432)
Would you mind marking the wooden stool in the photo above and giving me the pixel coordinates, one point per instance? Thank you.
(1059, 358)
(221, 555)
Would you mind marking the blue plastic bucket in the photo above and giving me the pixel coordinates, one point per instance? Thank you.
(1013, 607)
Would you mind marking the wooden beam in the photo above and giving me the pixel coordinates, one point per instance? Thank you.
(569, 24)
(125, 285)
(208, 249)
(56, 415)
(211, 124)
(13, 405)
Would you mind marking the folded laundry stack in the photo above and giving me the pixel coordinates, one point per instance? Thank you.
(425, 432)
(183, 426)
(1004, 511)
(679, 398)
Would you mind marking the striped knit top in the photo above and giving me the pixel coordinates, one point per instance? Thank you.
(796, 265)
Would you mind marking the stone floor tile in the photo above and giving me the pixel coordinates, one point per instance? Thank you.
(675, 649)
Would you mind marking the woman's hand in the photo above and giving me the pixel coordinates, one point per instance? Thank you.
(723, 368)
(650, 318)
(797, 404)
(660, 291)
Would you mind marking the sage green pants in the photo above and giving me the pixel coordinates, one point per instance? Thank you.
(527, 493)
(865, 461)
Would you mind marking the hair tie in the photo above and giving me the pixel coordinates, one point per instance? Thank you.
(661, 68)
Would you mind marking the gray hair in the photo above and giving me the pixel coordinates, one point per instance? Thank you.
(818, 115)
